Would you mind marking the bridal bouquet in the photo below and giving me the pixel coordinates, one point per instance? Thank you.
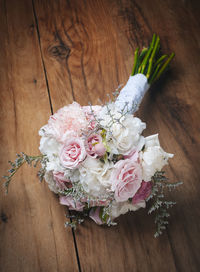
(95, 157)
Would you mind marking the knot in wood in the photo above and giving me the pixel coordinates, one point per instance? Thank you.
(60, 51)
(3, 217)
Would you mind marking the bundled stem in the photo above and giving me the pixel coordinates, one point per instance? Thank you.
(149, 62)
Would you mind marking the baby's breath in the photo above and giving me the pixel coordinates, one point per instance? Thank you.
(21, 159)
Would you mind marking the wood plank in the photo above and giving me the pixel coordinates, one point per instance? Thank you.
(178, 108)
(88, 51)
(32, 233)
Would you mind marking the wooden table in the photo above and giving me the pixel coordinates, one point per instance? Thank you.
(54, 52)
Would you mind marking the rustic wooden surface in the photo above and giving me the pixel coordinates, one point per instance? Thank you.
(54, 52)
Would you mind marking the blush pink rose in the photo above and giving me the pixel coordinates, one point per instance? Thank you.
(94, 214)
(72, 153)
(73, 205)
(126, 179)
(61, 182)
(143, 192)
(69, 118)
(94, 146)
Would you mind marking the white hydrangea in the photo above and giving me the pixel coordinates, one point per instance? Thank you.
(153, 157)
(50, 147)
(73, 175)
(94, 177)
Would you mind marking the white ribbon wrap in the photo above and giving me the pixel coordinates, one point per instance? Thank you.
(132, 94)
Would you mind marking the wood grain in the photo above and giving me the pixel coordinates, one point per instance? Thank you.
(82, 50)
(31, 238)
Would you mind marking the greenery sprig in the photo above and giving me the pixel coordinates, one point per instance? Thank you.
(159, 205)
(20, 160)
(150, 62)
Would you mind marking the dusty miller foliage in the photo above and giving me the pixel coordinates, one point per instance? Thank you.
(159, 205)
(20, 160)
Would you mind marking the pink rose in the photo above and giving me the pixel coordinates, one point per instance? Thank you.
(71, 203)
(94, 146)
(94, 214)
(72, 153)
(143, 192)
(61, 181)
(126, 179)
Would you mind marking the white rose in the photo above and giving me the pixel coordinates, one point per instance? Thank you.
(104, 177)
(127, 136)
(119, 208)
(153, 157)
(123, 131)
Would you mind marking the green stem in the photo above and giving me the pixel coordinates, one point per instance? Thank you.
(152, 57)
(164, 66)
(151, 79)
(145, 60)
(143, 52)
(141, 57)
(135, 61)
(160, 59)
